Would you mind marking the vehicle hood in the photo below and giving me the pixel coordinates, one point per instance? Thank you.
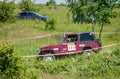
(54, 47)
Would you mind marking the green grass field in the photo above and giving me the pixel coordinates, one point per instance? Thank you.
(16, 31)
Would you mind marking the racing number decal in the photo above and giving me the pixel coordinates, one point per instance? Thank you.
(71, 47)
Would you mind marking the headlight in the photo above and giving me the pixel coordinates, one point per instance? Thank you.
(37, 51)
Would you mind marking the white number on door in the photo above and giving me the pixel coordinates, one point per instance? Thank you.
(71, 47)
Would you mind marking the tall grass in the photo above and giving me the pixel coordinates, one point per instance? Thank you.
(106, 63)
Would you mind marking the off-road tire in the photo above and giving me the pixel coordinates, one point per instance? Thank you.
(49, 57)
(87, 52)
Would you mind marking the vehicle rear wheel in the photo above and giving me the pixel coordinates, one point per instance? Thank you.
(87, 52)
(49, 57)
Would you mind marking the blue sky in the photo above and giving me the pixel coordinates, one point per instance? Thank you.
(41, 1)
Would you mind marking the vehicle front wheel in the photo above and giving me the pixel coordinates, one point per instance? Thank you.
(49, 57)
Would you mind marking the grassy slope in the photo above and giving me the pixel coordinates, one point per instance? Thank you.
(28, 28)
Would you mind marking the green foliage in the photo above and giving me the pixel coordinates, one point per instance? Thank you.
(9, 61)
(16, 32)
(96, 65)
(82, 10)
(27, 5)
(51, 2)
(6, 11)
(100, 10)
(116, 3)
(62, 4)
(78, 9)
(50, 25)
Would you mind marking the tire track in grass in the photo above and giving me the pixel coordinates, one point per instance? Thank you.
(48, 35)
(28, 38)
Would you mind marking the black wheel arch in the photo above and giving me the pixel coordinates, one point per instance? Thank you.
(86, 48)
(47, 52)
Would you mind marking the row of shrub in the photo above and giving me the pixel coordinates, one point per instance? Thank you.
(95, 65)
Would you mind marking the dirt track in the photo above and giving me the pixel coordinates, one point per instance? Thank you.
(47, 35)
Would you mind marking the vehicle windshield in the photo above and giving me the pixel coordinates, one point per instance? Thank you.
(37, 14)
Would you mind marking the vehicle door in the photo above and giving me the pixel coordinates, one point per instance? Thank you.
(30, 15)
(72, 43)
(23, 15)
(87, 39)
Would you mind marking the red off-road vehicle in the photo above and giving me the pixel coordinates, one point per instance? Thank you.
(72, 43)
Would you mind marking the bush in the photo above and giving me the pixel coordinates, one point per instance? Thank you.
(50, 25)
(10, 64)
(6, 11)
(51, 2)
(27, 5)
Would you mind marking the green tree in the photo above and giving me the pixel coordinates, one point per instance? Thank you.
(27, 5)
(78, 9)
(51, 2)
(6, 11)
(99, 11)
(103, 13)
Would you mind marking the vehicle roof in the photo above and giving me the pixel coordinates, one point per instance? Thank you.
(70, 33)
(26, 12)
(33, 13)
